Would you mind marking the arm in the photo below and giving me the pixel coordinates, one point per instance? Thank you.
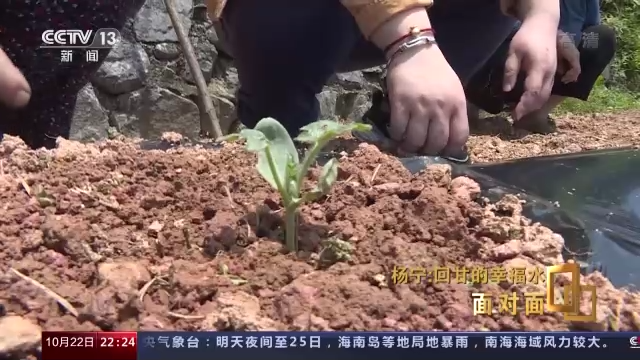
(384, 21)
(397, 16)
(523, 9)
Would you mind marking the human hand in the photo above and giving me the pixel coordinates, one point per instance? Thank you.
(14, 89)
(428, 104)
(532, 50)
(567, 51)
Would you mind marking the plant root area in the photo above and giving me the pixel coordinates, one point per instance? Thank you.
(107, 236)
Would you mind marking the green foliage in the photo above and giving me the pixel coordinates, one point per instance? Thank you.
(624, 17)
(280, 165)
(334, 250)
(602, 99)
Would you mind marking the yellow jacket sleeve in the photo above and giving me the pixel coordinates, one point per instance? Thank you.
(370, 14)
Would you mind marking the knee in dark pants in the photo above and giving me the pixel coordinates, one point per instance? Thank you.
(598, 45)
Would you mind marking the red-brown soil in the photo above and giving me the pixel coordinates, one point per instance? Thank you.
(494, 139)
(188, 239)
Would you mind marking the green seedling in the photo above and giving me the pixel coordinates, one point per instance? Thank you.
(335, 250)
(44, 199)
(235, 280)
(279, 163)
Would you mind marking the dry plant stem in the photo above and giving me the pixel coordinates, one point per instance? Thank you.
(62, 301)
(186, 317)
(145, 288)
(212, 121)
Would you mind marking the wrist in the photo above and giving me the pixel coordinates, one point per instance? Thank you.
(543, 22)
(416, 39)
(395, 59)
(544, 12)
(400, 25)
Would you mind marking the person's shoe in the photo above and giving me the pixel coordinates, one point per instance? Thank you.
(536, 125)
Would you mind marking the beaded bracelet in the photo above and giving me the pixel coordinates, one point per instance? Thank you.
(413, 32)
(416, 41)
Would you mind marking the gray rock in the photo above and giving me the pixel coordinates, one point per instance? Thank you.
(166, 51)
(129, 103)
(353, 80)
(124, 70)
(353, 105)
(200, 11)
(205, 52)
(226, 111)
(328, 99)
(90, 121)
(153, 24)
(155, 110)
(125, 124)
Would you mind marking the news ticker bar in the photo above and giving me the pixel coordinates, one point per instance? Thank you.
(171, 345)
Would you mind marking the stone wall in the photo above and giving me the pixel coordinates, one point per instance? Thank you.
(144, 87)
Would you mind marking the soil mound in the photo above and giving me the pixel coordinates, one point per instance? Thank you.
(110, 237)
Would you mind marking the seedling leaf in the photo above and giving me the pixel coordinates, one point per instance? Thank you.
(328, 176)
(279, 146)
(279, 163)
(256, 141)
(324, 130)
(229, 138)
(313, 132)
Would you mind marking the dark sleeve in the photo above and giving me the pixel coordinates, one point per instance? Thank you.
(593, 13)
(572, 18)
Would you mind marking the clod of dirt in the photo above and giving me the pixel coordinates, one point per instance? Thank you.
(18, 335)
(172, 137)
(237, 312)
(136, 239)
(465, 188)
(124, 277)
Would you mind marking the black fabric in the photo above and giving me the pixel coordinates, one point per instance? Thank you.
(54, 84)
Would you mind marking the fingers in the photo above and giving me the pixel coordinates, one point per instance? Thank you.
(573, 73)
(536, 91)
(14, 89)
(458, 133)
(417, 133)
(547, 86)
(399, 120)
(571, 76)
(511, 71)
(438, 133)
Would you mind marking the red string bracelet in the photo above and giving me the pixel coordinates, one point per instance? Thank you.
(414, 31)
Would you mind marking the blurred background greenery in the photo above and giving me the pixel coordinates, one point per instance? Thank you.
(619, 89)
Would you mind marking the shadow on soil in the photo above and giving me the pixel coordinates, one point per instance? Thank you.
(498, 126)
